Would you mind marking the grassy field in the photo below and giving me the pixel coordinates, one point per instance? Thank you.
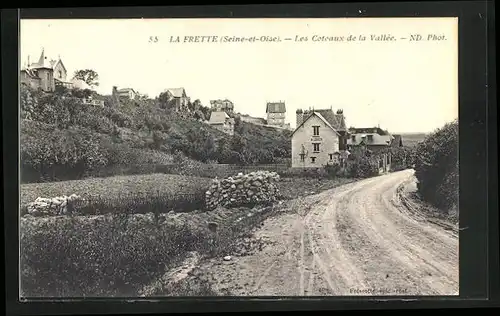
(114, 255)
(116, 186)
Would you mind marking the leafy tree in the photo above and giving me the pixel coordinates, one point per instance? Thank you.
(164, 100)
(436, 167)
(81, 93)
(88, 75)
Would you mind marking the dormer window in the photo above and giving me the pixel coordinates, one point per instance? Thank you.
(370, 137)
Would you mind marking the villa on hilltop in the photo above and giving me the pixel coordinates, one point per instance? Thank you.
(46, 74)
(276, 112)
(222, 105)
(221, 121)
(179, 98)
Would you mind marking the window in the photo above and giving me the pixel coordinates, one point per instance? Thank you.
(331, 156)
(60, 74)
(353, 137)
(316, 147)
(302, 157)
(313, 159)
(316, 130)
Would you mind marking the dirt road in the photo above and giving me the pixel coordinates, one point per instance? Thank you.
(357, 239)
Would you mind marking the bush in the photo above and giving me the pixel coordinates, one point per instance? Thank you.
(53, 154)
(436, 167)
(402, 158)
(362, 166)
(99, 256)
(333, 170)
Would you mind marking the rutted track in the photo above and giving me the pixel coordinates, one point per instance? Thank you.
(363, 238)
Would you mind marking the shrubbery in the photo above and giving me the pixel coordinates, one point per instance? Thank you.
(144, 126)
(48, 154)
(362, 166)
(402, 158)
(436, 167)
(98, 256)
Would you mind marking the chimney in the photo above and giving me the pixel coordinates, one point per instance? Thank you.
(299, 117)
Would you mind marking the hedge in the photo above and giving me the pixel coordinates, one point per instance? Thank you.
(436, 167)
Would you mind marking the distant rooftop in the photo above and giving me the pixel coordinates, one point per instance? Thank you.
(275, 107)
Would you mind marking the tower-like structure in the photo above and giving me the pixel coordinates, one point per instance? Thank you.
(276, 113)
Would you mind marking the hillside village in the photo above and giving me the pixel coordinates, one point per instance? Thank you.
(321, 136)
(168, 184)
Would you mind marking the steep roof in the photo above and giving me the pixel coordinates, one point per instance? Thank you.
(370, 139)
(31, 73)
(55, 62)
(320, 116)
(218, 117)
(275, 107)
(43, 62)
(177, 92)
(335, 120)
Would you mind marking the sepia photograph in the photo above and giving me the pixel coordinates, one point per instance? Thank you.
(305, 157)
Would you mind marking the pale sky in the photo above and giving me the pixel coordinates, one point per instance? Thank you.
(403, 86)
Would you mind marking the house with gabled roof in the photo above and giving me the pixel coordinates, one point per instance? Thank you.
(45, 74)
(179, 98)
(318, 139)
(222, 121)
(375, 141)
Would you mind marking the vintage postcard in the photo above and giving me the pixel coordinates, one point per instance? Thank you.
(238, 157)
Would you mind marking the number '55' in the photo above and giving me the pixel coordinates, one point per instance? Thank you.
(153, 39)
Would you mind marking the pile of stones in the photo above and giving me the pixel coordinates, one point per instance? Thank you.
(60, 205)
(243, 189)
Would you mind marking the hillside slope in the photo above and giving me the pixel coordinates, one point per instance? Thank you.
(77, 138)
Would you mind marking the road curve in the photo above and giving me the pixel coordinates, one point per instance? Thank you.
(357, 239)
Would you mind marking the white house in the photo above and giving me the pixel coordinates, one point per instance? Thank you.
(221, 121)
(315, 142)
(127, 93)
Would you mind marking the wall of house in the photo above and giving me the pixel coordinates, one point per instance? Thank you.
(47, 79)
(60, 76)
(276, 118)
(33, 83)
(328, 140)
